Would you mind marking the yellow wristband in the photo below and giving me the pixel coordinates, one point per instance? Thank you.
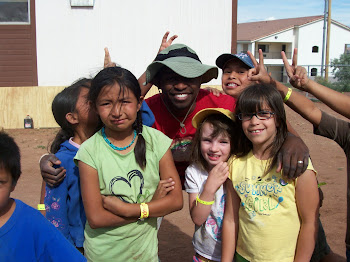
(41, 207)
(144, 210)
(287, 95)
(207, 203)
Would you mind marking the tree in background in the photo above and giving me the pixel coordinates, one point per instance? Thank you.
(341, 71)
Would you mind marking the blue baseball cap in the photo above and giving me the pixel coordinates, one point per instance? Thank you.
(224, 58)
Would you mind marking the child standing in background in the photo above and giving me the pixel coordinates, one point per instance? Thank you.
(63, 204)
(211, 149)
(120, 167)
(267, 217)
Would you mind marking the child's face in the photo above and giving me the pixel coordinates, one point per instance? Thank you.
(260, 132)
(117, 111)
(86, 115)
(6, 187)
(214, 149)
(235, 77)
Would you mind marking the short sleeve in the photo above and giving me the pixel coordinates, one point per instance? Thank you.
(59, 249)
(159, 142)
(84, 154)
(147, 115)
(191, 185)
(311, 167)
(335, 129)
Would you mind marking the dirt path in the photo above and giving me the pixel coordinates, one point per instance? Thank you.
(176, 231)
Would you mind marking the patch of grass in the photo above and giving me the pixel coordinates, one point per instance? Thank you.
(321, 184)
(42, 147)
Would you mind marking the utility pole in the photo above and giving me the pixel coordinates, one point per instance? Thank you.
(324, 35)
(329, 20)
(234, 28)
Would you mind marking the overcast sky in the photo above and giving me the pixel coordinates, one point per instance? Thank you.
(260, 10)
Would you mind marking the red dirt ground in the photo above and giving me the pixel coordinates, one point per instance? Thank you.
(176, 231)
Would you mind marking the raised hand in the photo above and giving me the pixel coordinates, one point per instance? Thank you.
(166, 42)
(108, 61)
(297, 74)
(259, 73)
(217, 176)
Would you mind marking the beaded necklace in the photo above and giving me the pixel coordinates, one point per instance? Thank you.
(113, 146)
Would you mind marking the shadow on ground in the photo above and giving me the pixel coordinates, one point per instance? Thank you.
(174, 245)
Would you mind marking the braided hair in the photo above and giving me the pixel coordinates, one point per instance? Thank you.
(127, 81)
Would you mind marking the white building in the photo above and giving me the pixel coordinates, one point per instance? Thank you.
(304, 33)
(58, 42)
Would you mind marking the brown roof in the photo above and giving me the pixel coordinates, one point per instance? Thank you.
(256, 30)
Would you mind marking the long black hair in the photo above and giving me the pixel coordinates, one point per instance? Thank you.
(127, 81)
(253, 99)
(65, 102)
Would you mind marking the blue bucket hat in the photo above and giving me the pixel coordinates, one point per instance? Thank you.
(224, 58)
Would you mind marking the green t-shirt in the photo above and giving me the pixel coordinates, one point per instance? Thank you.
(120, 175)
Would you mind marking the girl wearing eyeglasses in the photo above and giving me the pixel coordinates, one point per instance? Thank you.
(267, 217)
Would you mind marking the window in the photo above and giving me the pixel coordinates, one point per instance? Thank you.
(264, 48)
(313, 71)
(81, 3)
(347, 49)
(315, 49)
(284, 47)
(245, 48)
(14, 11)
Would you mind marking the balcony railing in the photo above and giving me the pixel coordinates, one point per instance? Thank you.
(273, 55)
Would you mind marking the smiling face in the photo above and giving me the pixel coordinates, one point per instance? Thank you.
(178, 92)
(117, 108)
(235, 77)
(214, 149)
(260, 132)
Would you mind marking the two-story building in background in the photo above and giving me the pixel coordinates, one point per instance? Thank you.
(304, 33)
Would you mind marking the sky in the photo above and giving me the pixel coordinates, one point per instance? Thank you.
(261, 10)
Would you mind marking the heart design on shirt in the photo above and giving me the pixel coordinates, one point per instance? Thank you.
(134, 174)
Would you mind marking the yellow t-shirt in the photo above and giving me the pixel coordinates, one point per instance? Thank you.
(268, 217)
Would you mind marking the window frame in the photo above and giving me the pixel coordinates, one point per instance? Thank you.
(19, 22)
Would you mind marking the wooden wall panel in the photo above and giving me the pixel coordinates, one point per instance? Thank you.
(17, 102)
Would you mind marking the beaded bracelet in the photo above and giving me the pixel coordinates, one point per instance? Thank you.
(287, 95)
(207, 203)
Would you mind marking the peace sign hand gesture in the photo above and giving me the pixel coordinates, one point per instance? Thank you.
(166, 42)
(259, 73)
(297, 74)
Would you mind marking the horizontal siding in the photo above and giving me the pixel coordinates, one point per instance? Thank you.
(18, 54)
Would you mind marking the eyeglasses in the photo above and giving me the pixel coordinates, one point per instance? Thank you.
(262, 115)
